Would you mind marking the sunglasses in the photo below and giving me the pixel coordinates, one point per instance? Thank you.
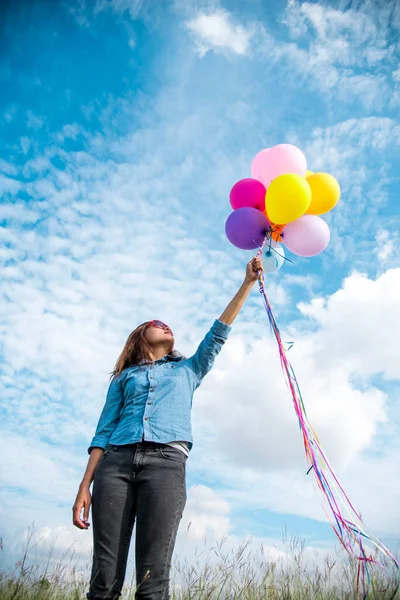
(158, 324)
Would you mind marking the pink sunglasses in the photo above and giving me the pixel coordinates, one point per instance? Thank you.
(158, 324)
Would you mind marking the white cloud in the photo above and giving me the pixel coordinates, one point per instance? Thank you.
(25, 143)
(349, 150)
(69, 131)
(206, 515)
(133, 7)
(72, 130)
(335, 45)
(338, 33)
(36, 166)
(386, 244)
(9, 113)
(365, 310)
(374, 132)
(16, 212)
(34, 121)
(8, 168)
(217, 31)
(8, 185)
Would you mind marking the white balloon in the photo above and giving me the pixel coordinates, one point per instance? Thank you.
(273, 256)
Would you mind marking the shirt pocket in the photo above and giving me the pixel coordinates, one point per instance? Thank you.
(135, 385)
(181, 376)
(173, 374)
(171, 371)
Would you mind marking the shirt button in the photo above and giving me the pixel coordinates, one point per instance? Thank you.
(152, 389)
(149, 403)
(146, 418)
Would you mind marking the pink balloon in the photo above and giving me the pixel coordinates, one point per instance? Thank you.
(248, 192)
(258, 164)
(279, 160)
(307, 236)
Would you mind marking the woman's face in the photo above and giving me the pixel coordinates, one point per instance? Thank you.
(157, 335)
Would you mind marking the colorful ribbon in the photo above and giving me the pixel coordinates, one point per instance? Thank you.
(350, 531)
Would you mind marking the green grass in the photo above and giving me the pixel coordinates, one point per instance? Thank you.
(243, 574)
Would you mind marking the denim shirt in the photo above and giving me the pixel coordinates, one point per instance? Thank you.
(153, 401)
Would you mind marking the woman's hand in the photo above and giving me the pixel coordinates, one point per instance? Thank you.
(253, 268)
(83, 501)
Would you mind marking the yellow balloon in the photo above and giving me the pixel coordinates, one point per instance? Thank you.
(287, 199)
(325, 193)
(308, 173)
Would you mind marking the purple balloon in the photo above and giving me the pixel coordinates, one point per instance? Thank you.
(248, 192)
(307, 236)
(246, 228)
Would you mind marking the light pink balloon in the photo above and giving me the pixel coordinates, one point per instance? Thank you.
(279, 160)
(258, 164)
(307, 236)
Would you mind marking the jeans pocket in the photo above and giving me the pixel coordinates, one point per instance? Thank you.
(108, 450)
(171, 453)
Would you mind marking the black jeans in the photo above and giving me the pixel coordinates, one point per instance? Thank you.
(145, 482)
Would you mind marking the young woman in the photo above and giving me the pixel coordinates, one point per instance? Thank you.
(139, 451)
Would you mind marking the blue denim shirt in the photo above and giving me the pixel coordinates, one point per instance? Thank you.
(153, 401)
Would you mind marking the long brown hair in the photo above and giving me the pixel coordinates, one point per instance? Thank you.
(136, 349)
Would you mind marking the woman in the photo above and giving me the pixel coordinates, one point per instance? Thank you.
(139, 451)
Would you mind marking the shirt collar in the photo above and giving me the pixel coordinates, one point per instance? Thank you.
(174, 356)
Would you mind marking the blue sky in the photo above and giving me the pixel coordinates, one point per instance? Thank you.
(124, 124)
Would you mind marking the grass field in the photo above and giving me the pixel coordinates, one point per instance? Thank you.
(215, 574)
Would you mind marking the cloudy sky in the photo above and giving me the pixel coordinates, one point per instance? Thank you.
(123, 126)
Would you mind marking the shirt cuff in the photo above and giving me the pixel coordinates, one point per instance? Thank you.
(97, 442)
(221, 329)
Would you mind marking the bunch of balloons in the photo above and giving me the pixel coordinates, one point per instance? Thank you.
(282, 200)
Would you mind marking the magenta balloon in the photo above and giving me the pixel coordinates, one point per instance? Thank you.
(307, 236)
(258, 164)
(248, 192)
(246, 228)
(279, 160)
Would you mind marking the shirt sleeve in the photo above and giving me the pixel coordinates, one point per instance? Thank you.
(203, 359)
(109, 417)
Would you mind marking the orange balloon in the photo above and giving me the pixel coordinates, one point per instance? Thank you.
(276, 230)
(277, 233)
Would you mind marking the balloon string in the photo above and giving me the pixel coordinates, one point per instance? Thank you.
(349, 533)
(268, 237)
(281, 255)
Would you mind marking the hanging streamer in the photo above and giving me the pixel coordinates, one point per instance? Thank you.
(351, 530)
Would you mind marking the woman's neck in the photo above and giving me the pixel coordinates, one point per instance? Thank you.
(158, 352)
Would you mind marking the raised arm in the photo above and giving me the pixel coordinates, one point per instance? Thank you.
(203, 359)
(235, 305)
